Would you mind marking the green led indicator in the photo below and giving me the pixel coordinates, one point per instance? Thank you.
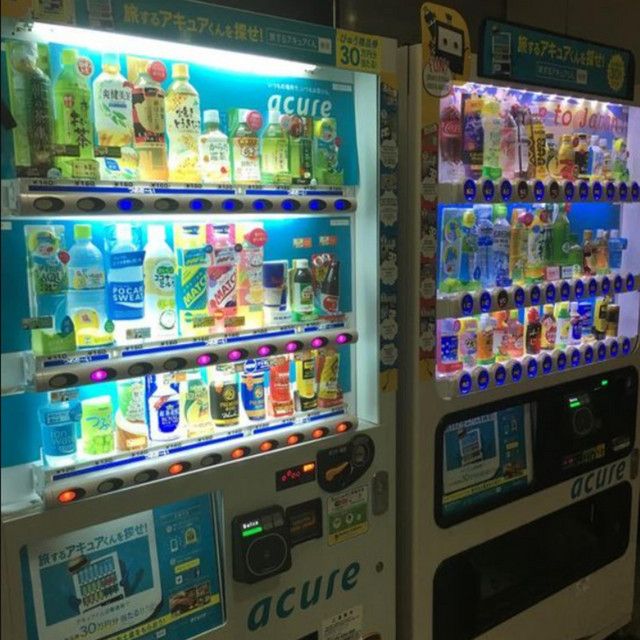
(252, 532)
(574, 404)
(604, 382)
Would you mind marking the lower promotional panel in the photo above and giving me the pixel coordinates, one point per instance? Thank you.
(154, 574)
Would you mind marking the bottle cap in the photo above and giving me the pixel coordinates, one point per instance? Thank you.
(69, 56)
(110, 60)
(532, 314)
(211, 116)
(587, 234)
(548, 309)
(155, 233)
(563, 310)
(600, 233)
(123, 232)
(499, 211)
(274, 116)
(301, 263)
(574, 307)
(180, 70)
(603, 142)
(566, 137)
(82, 232)
(614, 233)
(594, 139)
(468, 218)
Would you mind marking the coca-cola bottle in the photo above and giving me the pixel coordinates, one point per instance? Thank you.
(330, 289)
(451, 134)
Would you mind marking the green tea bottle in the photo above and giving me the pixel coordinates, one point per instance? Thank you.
(301, 150)
(274, 159)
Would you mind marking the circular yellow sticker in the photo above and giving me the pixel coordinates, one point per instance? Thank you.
(615, 72)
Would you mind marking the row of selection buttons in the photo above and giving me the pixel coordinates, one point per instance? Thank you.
(485, 301)
(554, 191)
(530, 367)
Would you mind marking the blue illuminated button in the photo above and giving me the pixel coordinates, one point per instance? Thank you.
(317, 205)
(631, 281)
(547, 364)
(199, 204)
(623, 191)
(606, 285)
(535, 294)
(538, 190)
(575, 357)
(610, 190)
(588, 355)
(518, 296)
(593, 286)
(485, 301)
(635, 191)
(602, 351)
(289, 204)
(231, 204)
(569, 191)
(562, 361)
(617, 284)
(516, 372)
(626, 346)
(262, 205)
(614, 348)
(554, 189)
(483, 379)
(596, 191)
(500, 375)
(129, 204)
(579, 289)
(469, 190)
(464, 384)
(523, 190)
(565, 291)
(532, 368)
(488, 190)
(583, 190)
(550, 292)
(466, 304)
(506, 190)
(342, 205)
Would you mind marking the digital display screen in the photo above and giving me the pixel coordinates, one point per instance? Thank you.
(295, 476)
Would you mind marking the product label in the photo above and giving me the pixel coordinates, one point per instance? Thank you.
(449, 349)
(196, 402)
(222, 288)
(148, 117)
(348, 515)
(86, 278)
(168, 415)
(214, 159)
(246, 165)
(59, 439)
(73, 122)
(253, 401)
(275, 158)
(224, 402)
(114, 122)
(183, 117)
(192, 288)
(161, 278)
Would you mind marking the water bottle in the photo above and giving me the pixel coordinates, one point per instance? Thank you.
(616, 246)
(485, 244)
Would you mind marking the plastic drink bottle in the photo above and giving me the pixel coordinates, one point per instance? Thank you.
(183, 126)
(326, 146)
(245, 155)
(619, 159)
(613, 319)
(566, 158)
(563, 320)
(159, 283)
(148, 113)
(468, 345)
(501, 336)
(274, 153)
(486, 339)
(508, 146)
(516, 335)
(552, 155)
(301, 150)
(588, 253)
(538, 148)
(301, 289)
(520, 220)
(194, 405)
(501, 246)
(616, 246)
(163, 407)
(560, 240)
(575, 321)
(582, 155)
(492, 128)
(533, 331)
(485, 244)
(602, 252)
(522, 119)
(549, 330)
(472, 135)
(86, 298)
(98, 426)
(469, 269)
(585, 310)
(448, 360)
(595, 159)
(58, 429)
(575, 259)
(607, 164)
(112, 104)
(125, 281)
(536, 246)
(600, 317)
(215, 166)
(451, 133)
(450, 249)
(73, 125)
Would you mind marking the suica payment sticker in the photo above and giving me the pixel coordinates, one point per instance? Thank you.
(348, 515)
(346, 625)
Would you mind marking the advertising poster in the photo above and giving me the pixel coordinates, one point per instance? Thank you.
(149, 575)
(485, 457)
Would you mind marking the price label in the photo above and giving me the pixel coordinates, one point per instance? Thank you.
(203, 321)
(41, 322)
(139, 333)
(358, 51)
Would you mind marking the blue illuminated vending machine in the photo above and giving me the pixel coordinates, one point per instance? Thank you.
(199, 325)
(520, 266)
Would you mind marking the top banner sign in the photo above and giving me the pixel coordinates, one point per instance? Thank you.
(543, 58)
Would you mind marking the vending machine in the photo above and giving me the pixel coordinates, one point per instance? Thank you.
(199, 357)
(518, 488)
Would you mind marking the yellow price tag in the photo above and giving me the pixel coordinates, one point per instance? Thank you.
(358, 51)
(16, 8)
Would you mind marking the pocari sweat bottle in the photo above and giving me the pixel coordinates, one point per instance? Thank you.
(484, 226)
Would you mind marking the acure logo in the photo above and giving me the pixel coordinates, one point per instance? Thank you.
(598, 479)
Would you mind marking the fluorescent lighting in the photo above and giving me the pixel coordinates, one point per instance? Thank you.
(107, 41)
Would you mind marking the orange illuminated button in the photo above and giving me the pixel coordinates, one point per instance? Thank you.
(294, 438)
(318, 433)
(176, 468)
(238, 453)
(343, 426)
(267, 445)
(309, 467)
(70, 495)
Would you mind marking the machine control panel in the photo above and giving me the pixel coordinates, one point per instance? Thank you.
(339, 467)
